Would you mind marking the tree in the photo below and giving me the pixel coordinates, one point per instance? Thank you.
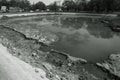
(40, 5)
(102, 5)
(3, 3)
(24, 4)
(68, 5)
(108, 5)
(81, 5)
(117, 5)
(53, 7)
(13, 3)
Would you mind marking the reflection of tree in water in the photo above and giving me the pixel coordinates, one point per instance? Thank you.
(75, 22)
(80, 35)
(100, 31)
(77, 38)
(95, 28)
(118, 34)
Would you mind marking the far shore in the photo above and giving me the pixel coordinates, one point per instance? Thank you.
(54, 13)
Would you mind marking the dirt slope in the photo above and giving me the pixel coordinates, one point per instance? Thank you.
(11, 68)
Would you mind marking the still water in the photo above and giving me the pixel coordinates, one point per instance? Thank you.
(82, 37)
(79, 36)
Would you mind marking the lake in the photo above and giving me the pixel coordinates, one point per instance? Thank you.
(82, 37)
(79, 36)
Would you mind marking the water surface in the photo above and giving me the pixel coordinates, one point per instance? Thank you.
(86, 38)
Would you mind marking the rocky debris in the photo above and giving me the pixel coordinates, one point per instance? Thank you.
(69, 67)
(112, 65)
(55, 74)
(77, 59)
(41, 36)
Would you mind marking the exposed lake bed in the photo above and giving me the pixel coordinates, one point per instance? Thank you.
(80, 37)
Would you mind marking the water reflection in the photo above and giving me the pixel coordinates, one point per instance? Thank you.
(82, 37)
(72, 24)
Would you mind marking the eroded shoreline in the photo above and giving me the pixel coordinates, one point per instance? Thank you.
(55, 62)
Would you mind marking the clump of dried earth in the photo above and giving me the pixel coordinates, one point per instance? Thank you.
(112, 65)
(57, 65)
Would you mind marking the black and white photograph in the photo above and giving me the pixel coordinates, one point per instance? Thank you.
(59, 39)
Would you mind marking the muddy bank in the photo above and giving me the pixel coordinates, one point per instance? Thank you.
(30, 51)
(112, 65)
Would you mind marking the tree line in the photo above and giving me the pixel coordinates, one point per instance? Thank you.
(23, 4)
(98, 6)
